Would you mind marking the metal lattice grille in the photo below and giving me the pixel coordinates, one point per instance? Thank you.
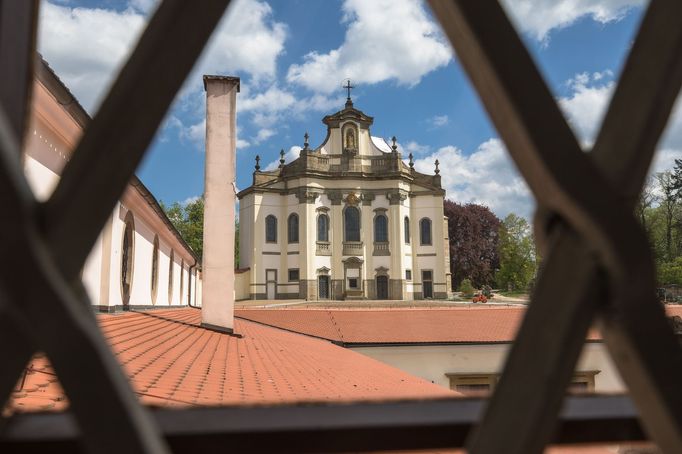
(589, 236)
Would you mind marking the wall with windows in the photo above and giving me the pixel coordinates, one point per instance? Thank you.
(54, 132)
(438, 363)
(268, 244)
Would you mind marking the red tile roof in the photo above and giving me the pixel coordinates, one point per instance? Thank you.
(172, 361)
(397, 325)
(347, 326)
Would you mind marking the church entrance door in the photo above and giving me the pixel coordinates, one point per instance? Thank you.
(382, 287)
(271, 284)
(323, 286)
(427, 284)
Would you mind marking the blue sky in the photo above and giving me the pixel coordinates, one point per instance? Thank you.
(293, 55)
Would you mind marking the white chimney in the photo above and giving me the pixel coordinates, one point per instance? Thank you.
(217, 302)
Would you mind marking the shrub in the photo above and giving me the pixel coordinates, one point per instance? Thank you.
(466, 288)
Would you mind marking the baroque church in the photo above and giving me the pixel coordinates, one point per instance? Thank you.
(346, 220)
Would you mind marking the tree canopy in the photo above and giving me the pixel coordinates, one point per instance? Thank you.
(474, 233)
(517, 254)
(188, 219)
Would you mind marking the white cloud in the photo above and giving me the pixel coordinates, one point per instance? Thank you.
(293, 153)
(487, 177)
(189, 200)
(539, 17)
(246, 39)
(385, 40)
(664, 160)
(438, 121)
(585, 106)
(196, 134)
(86, 46)
(415, 148)
(274, 105)
(263, 134)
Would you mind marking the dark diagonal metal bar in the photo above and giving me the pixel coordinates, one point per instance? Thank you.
(18, 23)
(42, 305)
(549, 374)
(100, 167)
(18, 20)
(118, 136)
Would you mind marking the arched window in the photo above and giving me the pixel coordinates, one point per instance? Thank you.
(270, 229)
(323, 228)
(292, 228)
(351, 222)
(381, 229)
(170, 277)
(127, 258)
(182, 279)
(407, 230)
(155, 269)
(425, 231)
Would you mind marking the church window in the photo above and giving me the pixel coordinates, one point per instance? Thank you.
(170, 277)
(270, 229)
(127, 258)
(292, 228)
(408, 275)
(155, 268)
(351, 219)
(381, 229)
(323, 228)
(294, 275)
(425, 231)
(407, 230)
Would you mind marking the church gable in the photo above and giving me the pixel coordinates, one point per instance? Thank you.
(348, 152)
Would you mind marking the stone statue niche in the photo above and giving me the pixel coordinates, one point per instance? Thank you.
(350, 138)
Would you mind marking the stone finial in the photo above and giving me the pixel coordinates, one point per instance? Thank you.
(437, 164)
(281, 157)
(257, 163)
(305, 140)
(394, 147)
(411, 162)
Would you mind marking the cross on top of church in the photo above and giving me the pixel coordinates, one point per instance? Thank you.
(348, 88)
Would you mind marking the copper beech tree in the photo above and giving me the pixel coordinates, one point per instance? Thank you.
(474, 237)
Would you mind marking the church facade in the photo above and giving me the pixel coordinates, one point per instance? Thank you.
(346, 220)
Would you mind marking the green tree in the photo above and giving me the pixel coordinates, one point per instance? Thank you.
(669, 206)
(188, 219)
(517, 254)
(670, 272)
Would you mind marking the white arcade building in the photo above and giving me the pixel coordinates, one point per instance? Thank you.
(346, 220)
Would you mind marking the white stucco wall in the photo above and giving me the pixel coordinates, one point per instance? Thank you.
(53, 133)
(433, 362)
